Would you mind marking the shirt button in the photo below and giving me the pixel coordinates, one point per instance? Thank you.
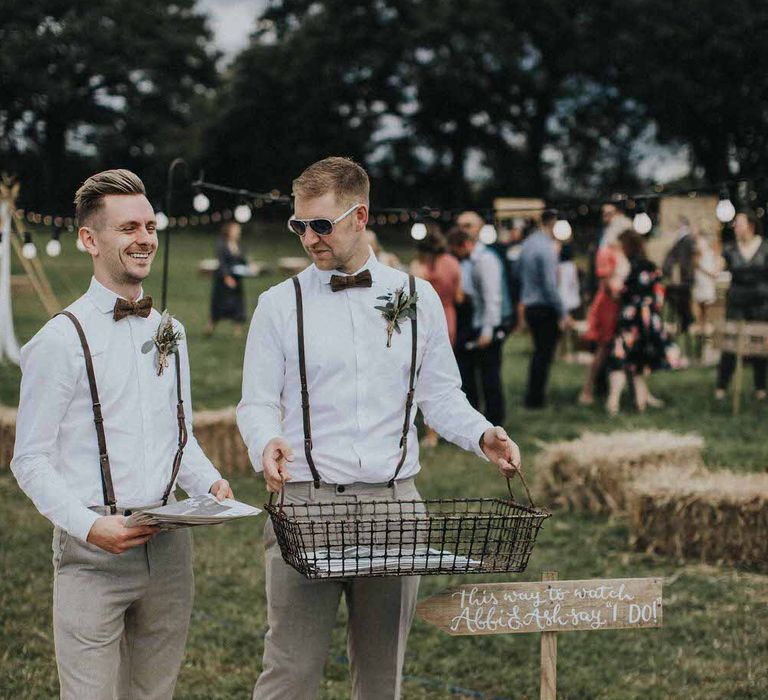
(340, 489)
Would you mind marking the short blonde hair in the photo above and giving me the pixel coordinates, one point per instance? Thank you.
(89, 197)
(342, 176)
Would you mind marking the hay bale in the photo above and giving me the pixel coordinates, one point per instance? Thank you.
(593, 472)
(715, 517)
(216, 431)
(7, 435)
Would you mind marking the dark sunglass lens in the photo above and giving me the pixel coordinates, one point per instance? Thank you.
(322, 227)
(298, 227)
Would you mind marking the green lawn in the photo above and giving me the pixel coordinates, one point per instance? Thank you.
(714, 643)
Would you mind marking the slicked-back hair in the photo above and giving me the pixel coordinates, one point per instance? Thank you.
(89, 197)
(342, 176)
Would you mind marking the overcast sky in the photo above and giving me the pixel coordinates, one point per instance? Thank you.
(232, 21)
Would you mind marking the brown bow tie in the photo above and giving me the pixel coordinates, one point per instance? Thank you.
(125, 308)
(340, 282)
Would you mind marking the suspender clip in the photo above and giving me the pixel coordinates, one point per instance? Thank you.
(307, 443)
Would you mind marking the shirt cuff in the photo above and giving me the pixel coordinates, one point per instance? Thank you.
(81, 521)
(486, 330)
(476, 445)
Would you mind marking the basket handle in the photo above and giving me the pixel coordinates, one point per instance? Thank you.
(282, 498)
(525, 486)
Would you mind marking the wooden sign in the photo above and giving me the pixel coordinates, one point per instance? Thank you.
(546, 606)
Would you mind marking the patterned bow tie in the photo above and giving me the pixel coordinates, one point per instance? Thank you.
(125, 308)
(340, 282)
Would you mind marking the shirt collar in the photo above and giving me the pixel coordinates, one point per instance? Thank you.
(371, 264)
(104, 299)
(477, 251)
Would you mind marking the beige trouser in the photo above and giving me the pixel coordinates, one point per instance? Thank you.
(302, 613)
(120, 621)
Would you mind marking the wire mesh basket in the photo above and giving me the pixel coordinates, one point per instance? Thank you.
(406, 538)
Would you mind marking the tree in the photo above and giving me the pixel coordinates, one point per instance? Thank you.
(98, 85)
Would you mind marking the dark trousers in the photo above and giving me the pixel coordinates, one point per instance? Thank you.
(727, 367)
(545, 331)
(679, 299)
(480, 370)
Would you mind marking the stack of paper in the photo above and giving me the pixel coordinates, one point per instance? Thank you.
(366, 560)
(199, 510)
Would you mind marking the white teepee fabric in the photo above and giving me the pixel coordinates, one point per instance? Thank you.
(9, 346)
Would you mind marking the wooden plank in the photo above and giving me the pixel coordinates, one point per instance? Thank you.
(548, 681)
(540, 606)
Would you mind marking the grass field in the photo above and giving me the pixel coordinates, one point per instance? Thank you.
(714, 643)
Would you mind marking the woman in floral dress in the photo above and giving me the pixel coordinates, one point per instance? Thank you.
(641, 344)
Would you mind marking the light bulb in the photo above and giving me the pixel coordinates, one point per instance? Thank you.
(725, 211)
(562, 230)
(29, 251)
(161, 221)
(53, 247)
(243, 213)
(201, 202)
(488, 234)
(642, 223)
(79, 245)
(419, 231)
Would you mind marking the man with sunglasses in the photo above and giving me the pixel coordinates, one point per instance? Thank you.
(319, 374)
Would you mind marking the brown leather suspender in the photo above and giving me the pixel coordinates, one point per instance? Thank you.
(305, 389)
(98, 420)
(411, 382)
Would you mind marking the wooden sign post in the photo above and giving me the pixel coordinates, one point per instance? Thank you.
(743, 339)
(548, 607)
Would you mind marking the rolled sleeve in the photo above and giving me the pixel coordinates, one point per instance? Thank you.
(438, 388)
(197, 473)
(259, 411)
(50, 369)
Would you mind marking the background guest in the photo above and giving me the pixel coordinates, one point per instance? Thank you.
(568, 279)
(747, 298)
(544, 312)
(481, 356)
(228, 297)
(705, 275)
(611, 269)
(679, 269)
(434, 264)
(641, 344)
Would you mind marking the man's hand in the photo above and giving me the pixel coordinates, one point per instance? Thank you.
(502, 451)
(110, 534)
(274, 461)
(230, 281)
(566, 322)
(221, 489)
(484, 341)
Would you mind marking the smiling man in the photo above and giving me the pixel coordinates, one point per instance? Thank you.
(349, 400)
(101, 430)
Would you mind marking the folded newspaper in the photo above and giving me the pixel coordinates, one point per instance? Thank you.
(198, 510)
(372, 559)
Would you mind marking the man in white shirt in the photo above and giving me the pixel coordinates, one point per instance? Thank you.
(347, 422)
(104, 428)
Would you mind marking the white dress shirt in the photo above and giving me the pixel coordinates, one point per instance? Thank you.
(487, 280)
(56, 457)
(357, 386)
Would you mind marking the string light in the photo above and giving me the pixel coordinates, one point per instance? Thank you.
(642, 222)
(28, 250)
(200, 203)
(488, 234)
(725, 211)
(419, 231)
(562, 230)
(243, 213)
(53, 247)
(161, 221)
(80, 245)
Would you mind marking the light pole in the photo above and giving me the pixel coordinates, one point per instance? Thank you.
(166, 247)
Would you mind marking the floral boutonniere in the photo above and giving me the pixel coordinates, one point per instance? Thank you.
(165, 339)
(399, 307)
